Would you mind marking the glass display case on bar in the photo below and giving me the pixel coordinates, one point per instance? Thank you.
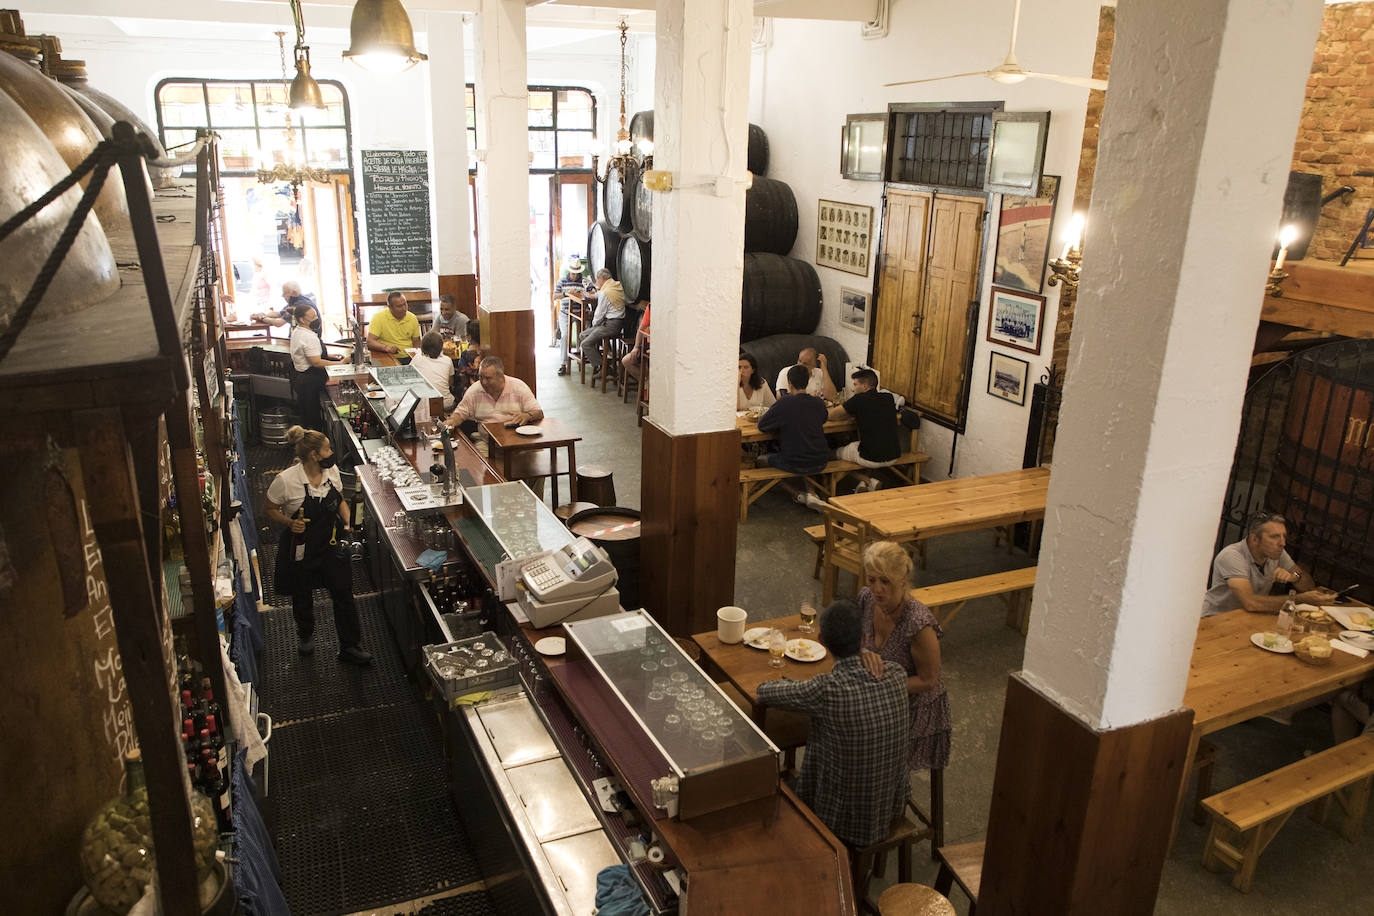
(719, 756)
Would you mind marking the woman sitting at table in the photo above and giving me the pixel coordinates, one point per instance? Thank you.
(898, 628)
(753, 391)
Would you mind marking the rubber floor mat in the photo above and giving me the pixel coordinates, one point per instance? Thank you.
(267, 561)
(462, 905)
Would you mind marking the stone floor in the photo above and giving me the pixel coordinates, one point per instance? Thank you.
(1306, 868)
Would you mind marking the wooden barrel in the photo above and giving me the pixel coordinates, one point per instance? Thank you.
(634, 268)
(780, 295)
(758, 150)
(641, 128)
(775, 353)
(1323, 476)
(603, 249)
(770, 216)
(615, 531)
(617, 195)
(642, 211)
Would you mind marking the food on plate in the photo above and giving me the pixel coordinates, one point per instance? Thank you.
(1360, 619)
(1271, 640)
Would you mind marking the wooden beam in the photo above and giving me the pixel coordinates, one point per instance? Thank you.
(1321, 296)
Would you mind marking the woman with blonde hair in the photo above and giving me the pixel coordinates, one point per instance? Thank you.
(898, 628)
(306, 498)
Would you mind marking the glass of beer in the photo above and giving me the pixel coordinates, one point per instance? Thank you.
(777, 647)
(808, 618)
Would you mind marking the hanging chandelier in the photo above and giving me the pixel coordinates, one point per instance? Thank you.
(621, 159)
(293, 171)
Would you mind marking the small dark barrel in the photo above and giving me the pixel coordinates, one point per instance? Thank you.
(634, 269)
(617, 196)
(780, 295)
(770, 216)
(641, 128)
(642, 212)
(603, 249)
(615, 531)
(776, 352)
(758, 150)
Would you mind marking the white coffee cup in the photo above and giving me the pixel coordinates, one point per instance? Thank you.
(730, 624)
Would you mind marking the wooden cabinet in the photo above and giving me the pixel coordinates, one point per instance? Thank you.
(928, 299)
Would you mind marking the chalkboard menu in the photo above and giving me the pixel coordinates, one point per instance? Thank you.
(396, 199)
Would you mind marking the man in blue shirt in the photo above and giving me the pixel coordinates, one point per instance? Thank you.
(798, 419)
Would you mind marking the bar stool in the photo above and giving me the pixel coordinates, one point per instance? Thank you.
(935, 820)
(576, 314)
(914, 900)
(567, 510)
(642, 402)
(871, 860)
(596, 485)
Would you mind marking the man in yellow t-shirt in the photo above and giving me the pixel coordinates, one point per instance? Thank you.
(390, 332)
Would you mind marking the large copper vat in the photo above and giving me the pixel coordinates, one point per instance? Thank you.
(72, 74)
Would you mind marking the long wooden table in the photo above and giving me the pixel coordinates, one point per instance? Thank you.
(1230, 680)
(949, 506)
(749, 429)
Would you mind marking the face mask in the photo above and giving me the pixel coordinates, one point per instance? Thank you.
(330, 461)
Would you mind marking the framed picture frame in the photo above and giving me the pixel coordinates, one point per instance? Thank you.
(844, 236)
(1023, 238)
(863, 146)
(1016, 151)
(854, 308)
(1016, 319)
(1007, 377)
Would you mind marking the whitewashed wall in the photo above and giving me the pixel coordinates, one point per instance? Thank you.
(813, 74)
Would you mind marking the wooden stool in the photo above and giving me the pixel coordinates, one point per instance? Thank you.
(565, 511)
(962, 864)
(935, 820)
(612, 349)
(595, 485)
(576, 314)
(914, 900)
(872, 860)
(642, 401)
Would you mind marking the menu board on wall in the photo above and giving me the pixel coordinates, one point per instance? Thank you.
(396, 200)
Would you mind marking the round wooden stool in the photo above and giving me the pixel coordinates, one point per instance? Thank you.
(596, 485)
(914, 900)
(568, 509)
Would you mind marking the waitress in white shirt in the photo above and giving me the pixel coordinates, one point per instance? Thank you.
(308, 359)
(307, 499)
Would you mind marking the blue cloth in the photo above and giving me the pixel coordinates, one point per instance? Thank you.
(257, 875)
(618, 893)
(434, 559)
(245, 642)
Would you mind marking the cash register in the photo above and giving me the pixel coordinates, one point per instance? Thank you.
(572, 582)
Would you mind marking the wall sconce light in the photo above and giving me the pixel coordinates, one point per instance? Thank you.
(381, 39)
(1276, 276)
(658, 180)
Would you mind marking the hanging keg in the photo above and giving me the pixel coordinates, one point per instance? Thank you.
(31, 166)
(770, 216)
(779, 295)
(642, 128)
(617, 195)
(758, 150)
(641, 132)
(603, 249)
(642, 210)
(634, 268)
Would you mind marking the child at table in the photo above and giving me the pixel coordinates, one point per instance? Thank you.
(469, 359)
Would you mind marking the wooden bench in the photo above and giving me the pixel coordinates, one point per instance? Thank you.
(1247, 818)
(816, 533)
(754, 482)
(948, 598)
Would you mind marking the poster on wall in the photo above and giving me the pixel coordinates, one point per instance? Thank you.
(844, 233)
(854, 308)
(396, 201)
(1023, 238)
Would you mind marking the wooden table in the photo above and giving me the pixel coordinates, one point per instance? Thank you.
(747, 668)
(949, 506)
(1230, 680)
(749, 429)
(555, 435)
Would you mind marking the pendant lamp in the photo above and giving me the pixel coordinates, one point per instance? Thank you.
(381, 39)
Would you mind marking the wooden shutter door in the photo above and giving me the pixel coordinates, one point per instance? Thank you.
(941, 364)
(899, 290)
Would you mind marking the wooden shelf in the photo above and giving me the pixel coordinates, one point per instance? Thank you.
(1323, 296)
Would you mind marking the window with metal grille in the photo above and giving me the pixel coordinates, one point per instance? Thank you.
(943, 147)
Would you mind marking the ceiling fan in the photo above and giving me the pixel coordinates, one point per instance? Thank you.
(1010, 71)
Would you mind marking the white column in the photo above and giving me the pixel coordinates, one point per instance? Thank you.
(449, 142)
(503, 166)
(701, 127)
(1197, 137)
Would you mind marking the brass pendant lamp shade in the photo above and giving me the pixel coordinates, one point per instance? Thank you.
(381, 39)
(304, 92)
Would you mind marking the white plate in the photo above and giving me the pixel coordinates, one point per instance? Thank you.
(1342, 616)
(551, 645)
(805, 650)
(756, 638)
(375, 395)
(1358, 639)
(528, 431)
(1283, 647)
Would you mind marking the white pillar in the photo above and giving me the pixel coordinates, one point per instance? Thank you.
(701, 128)
(1197, 137)
(503, 166)
(449, 142)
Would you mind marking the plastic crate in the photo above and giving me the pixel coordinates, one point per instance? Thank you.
(469, 665)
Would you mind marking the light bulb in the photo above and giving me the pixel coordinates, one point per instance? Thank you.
(1287, 234)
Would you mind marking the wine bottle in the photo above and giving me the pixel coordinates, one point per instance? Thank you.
(298, 540)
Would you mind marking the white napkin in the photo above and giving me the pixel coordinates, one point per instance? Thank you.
(1346, 647)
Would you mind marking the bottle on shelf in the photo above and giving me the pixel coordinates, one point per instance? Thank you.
(171, 532)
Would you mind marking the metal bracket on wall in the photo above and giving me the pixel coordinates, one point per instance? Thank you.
(878, 26)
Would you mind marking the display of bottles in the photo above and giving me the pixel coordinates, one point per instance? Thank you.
(171, 532)
(206, 746)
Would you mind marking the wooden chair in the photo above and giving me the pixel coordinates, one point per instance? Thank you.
(962, 865)
(870, 861)
(846, 536)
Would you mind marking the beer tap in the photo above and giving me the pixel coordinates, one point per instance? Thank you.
(450, 470)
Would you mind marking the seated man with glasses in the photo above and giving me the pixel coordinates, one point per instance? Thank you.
(1243, 572)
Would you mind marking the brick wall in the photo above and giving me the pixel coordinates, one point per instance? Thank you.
(1336, 135)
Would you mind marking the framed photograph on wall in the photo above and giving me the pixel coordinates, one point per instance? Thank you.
(1023, 238)
(1007, 377)
(1016, 319)
(844, 235)
(854, 308)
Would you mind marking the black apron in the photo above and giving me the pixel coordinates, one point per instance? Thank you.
(321, 542)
